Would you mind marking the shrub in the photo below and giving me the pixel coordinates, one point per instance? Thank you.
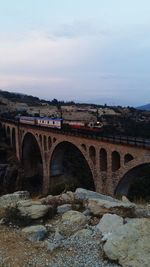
(13, 215)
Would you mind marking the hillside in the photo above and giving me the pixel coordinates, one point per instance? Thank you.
(144, 107)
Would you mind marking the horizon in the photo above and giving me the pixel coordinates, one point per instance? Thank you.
(77, 51)
(75, 102)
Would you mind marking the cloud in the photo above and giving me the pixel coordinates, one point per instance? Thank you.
(79, 29)
(77, 61)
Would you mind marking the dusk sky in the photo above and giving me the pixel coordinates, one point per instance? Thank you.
(83, 50)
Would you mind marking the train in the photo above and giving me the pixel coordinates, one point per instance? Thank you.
(42, 121)
(62, 124)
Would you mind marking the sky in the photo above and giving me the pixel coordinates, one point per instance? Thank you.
(94, 51)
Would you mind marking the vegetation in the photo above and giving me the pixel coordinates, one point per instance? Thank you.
(13, 215)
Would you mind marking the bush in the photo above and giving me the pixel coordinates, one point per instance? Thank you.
(13, 215)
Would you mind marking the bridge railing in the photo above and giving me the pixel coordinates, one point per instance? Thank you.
(118, 139)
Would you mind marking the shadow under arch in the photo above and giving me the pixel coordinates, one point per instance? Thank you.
(14, 139)
(69, 169)
(8, 135)
(32, 164)
(135, 184)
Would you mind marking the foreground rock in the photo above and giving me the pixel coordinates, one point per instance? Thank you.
(67, 198)
(35, 233)
(71, 222)
(129, 244)
(10, 200)
(109, 223)
(84, 194)
(33, 209)
(99, 207)
(63, 208)
(76, 238)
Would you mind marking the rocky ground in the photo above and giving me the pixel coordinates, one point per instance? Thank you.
(81, 229)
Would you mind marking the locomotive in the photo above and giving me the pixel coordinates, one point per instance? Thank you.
(60, 123)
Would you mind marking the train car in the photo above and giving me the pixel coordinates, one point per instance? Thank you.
(81, 126)
(49, 122)
(27, 120)
(59, 123)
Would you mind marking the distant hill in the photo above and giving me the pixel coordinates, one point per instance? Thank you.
(144, 107)
(21, 98)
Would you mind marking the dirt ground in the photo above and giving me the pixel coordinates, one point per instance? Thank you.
(17, 251)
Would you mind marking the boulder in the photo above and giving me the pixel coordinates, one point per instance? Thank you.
(109, 223)
(142, 212)
(67, 198)
(10, 200)
(63, 208)
(71, 222)
(35, 233)
(129, 244)
(100, 206)
(84, 194)
(33, 209)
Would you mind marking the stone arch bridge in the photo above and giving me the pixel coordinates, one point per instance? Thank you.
(109, 160)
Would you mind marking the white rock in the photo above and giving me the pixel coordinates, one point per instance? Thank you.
(109, 223)
(129, 244)
(33, 209)
(125, 199)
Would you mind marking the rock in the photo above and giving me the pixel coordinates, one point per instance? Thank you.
(58, 236)
(125, 199)
(35, 233)
(129, 244)
(84, 194)
(51, 246)
(87, 212)
(99, 207)
(12, 199)
(63, 208)
(71, 222)
(2, 221)
(83, 234)
(109, 223)
(142, 212)
(67, 198)
(33, 209)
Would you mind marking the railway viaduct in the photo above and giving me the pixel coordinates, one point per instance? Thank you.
(110, 162)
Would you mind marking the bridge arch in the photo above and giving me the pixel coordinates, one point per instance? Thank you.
(32, 160)
(69, 164)
(128, 157)
(135, 183)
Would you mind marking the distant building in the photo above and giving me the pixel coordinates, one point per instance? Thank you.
(21, 107)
